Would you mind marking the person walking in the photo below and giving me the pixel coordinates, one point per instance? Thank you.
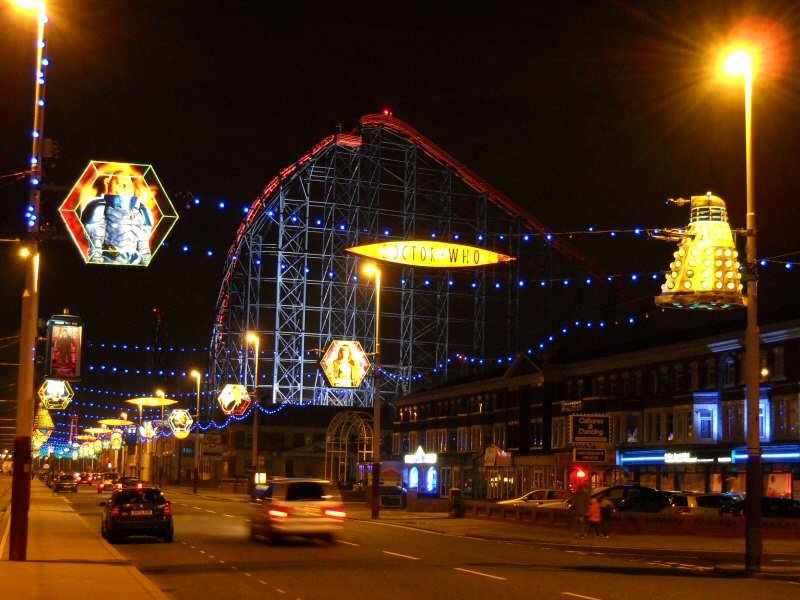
(606, 512)
(595, 516)
(579, 504)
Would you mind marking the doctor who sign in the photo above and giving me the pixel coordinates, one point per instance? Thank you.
(441, 255)
(592, 429)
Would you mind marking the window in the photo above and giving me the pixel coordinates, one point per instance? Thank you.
(639, 383)
(559, 432)
(684, 426)
(764, 422)
(632, 427)
(500, 437)
(654, 385)
(613, 385)
(413, 439)
(476, 438)
(729, 372)
(413, 478)
(694, 375)
(463, 440)
(679, 379)
(777, 367)
(784, 417)
(536, 434)
(626, 385)
(430, 480)
(733, 421)
(653, 426)
(513, 435)
(711, 374)
(705, 423)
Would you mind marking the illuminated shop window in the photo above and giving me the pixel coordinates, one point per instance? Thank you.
(430, 480)
(413, 478)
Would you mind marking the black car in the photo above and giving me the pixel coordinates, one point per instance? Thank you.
(65, 483)
(780, 508)
(137, 511)
(646, 500)
(617, 493)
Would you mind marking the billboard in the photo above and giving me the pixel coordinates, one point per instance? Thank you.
(63, 360)
(443, 255)
(118, 214)
(585, 428)
(345, 364)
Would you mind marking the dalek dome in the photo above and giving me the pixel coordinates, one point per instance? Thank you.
(708, 208)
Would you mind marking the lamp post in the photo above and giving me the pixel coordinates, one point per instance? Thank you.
(198, 377)
(252, 337)
(740, 63)
(151, 402)
(21, 480)
(376, 428)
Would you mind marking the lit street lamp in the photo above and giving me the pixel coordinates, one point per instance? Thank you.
(252, 337)
(740, 63)
(198, 377)
(21, 480)
(376, 428)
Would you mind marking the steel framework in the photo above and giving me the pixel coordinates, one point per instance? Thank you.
(289, 278)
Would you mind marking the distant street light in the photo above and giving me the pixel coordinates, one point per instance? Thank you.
(740, 63)
(252, 337)
(198, 376)
(376, 429)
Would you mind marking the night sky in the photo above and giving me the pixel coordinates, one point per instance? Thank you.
(588, 114)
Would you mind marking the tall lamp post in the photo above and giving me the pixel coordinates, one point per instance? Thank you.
(21, 480)
(252, 337)
(198, 377)
(376, 428)
(740, 63)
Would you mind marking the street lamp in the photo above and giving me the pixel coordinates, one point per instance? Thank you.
(21, 480)
(198, 377)
(376, 402)
(151, 402)
(252, 337)
(740, 63)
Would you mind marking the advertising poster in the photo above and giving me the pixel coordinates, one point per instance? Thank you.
(345, 364)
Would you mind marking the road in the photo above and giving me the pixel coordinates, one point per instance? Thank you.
(213, 557)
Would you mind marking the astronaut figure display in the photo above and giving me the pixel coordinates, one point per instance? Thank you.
(118, 224)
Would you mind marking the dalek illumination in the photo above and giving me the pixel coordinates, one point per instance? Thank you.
(705, 272)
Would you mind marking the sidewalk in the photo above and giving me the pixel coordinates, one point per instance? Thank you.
(65, 557)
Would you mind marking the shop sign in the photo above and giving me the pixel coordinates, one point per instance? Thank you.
(594, 429)
(569, 406)
(212, 444)
(585, 455)
(443, 255)
(419, 457)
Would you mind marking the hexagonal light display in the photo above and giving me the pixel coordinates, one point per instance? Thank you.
(180, 422)
(345, 364)
(234, 399)
(118, 214)
(55, 394)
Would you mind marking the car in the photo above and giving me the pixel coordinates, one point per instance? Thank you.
(552, 497)
(685, 503)
(65, 483)
(137, 511)
(296, 507)
(647, 500)
(393, 496)
(617, 493)
(85, 478)
(128, 482)
(106, 481)
(771, 507)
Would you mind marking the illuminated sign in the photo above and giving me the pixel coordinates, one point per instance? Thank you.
(431, 254)
(345, 364)
(234, 399)
(590, 428)
(64, 334)
(55, 394)
(180, 422)
(584, 455)
(419, 457)
(118, 214)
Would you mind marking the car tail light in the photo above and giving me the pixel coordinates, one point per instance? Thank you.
(683, 510)
(278, 512)
(336, 513)
(139, 485)
(117, 486)
(115, 511)
(167, 510)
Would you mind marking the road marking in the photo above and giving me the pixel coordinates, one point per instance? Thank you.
(481, 574)
(248, 574)
(197, 508)
(579, 596)
(348, 543)
(401, 555)
(231, 516)
(211, 511)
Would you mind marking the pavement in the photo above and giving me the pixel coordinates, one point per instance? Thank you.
(65, 557)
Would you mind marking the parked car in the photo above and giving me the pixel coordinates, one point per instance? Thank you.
(694, 503)
(296, 507)
(106, 481)
(617, 493)
(771, 507)
(65, 483)
(137, 511)
(646, 500)
(544, 497)
(393, 496)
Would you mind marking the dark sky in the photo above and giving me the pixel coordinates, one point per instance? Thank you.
(588, 114)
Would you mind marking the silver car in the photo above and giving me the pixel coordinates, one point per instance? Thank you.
(695, 503)
(296, 507)
(552, 497)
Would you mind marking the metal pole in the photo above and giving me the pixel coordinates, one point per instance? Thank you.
(752, 374)
(21, 478)
(376, 430)
(197, 438)
(254, 458)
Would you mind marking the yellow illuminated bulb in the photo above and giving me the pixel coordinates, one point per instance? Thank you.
(738, 63)
(24, 252)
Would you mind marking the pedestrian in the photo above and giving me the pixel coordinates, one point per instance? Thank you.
(606, 511)
(579, 505)
(595, 516)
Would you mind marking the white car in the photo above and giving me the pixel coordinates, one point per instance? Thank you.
(548, 497)
(296, 507)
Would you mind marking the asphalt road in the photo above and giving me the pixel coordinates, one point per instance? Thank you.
(213, 557)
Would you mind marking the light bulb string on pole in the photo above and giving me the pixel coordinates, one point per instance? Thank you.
(197, 376)
(252, 337)
(376, 432)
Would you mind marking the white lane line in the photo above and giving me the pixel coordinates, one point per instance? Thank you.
(211, 511)
(479, 573)
(401, 555)
(197, 508)
(348, 543)
(231, 516)
(579, 596)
